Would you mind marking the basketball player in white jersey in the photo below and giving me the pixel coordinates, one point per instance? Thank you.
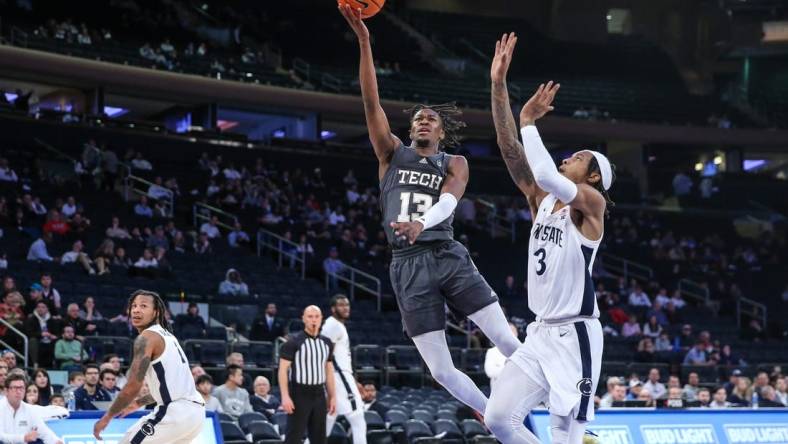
(560, 360)
(349, 402)
(160, 362)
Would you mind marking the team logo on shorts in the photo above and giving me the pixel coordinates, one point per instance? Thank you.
(147, 429)
(584, 386)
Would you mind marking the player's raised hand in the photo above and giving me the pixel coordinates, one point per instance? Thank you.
(353, 18)
(539, 104)
(407, 231)
(502, 57)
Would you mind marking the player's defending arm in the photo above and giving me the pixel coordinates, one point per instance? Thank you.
(383, 141)
(453, 188)
(505, 127)
(582, 197)
(146, 346)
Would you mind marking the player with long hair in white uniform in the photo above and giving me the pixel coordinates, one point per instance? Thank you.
(160, 362)
(560, 360)
(349, 402)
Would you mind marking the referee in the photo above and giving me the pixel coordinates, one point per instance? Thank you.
(305, 376)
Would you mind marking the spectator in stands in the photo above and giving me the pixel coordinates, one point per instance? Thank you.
(238, 236)
(113, 361)
(645, 351)
(38, 249)
(116, 230)
(781, 390)
(652, 329)
(369, 395)
(610, 384)
(179, 242)
(204, 384)
(3, 376)
(42, 331)
(211, 228)
(677, 300)
(120, 259)
(657, 312)
(719, 399)
(90, 391)
(41, 381)
(656, 388)
(754, 332)
(75, 380)
(146, 261)
(267, 327)
(233, 285)
(202, 245)
(142, 208)
(704, 397)
(619, 394)
(103, 256)
(685, 341)
(696, 355)
(635, 388)
(12, 313)
(197, 371)
(631, 328)
(55, 224)
(157, 190)
(236, 358)
(768, 398)
(6, 173)
(231, 395)
(742, 393)
(190, 320)
(9, 357)
(263, 401)
(231, 172)
(727, 357)
(690, 390)
(69, 208)
(76, 255)
(139, 163)
(638, 298)
(333, 266)
(761, 381)
(89, 312)
(20, 422)
(108, 379)
(158, 239)
(733, 380)
(81, 326)
(49, 292)
(68, 350)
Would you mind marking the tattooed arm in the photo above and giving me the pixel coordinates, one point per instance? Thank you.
(147, 346)
(505, 127)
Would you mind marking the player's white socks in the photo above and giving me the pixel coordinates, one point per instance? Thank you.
(358, 426)
(434, 350)
(514, 395)
(494, 325)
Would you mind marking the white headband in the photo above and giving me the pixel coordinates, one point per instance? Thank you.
(604, 169)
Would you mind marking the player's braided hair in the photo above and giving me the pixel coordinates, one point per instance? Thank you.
(593, 167)
(158, 305)
(449, 114)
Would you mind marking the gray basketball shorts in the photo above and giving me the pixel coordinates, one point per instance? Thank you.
(427, 279)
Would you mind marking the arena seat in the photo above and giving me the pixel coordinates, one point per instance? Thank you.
(373, 420)
(246, 418)
(263, 432)
(232, 434)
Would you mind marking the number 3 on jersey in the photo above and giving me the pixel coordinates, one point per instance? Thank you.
(422, 201)
(541, 266)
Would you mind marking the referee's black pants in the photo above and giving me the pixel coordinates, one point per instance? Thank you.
(309, 416)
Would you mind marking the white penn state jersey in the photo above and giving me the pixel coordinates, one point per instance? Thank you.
(169, 377)
(560, 259)
(337, 333)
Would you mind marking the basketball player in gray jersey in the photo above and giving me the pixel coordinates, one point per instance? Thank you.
(420, 186)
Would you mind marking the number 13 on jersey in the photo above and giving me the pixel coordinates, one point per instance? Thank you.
(422, 201)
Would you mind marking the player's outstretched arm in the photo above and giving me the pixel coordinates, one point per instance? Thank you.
(582, 197)
(145, 346)
(383, 141)
(505, 126)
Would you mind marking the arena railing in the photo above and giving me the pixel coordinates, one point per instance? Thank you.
(625, 268)
(285, 249)
(133, 185)
(754, 309)
(357, 280)
(25, 341)
(203, 212)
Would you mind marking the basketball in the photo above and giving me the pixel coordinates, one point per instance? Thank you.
(368, 7)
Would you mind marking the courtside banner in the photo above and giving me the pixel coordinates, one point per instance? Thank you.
(694, 426)
(78, 428)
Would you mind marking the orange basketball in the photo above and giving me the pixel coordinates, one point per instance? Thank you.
(368, 7)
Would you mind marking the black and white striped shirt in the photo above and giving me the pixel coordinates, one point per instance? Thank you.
(309, 355)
